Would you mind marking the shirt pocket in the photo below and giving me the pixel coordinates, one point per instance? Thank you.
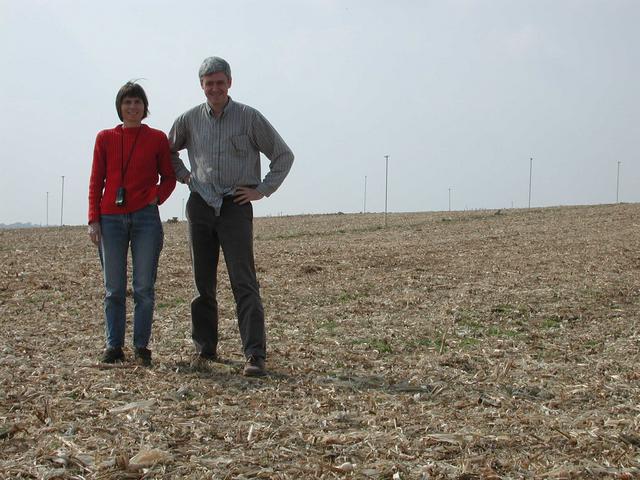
(241, 145)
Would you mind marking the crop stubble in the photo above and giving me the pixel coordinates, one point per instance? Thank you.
(449, 345)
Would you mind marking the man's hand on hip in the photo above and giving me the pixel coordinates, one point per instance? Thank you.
(245, 195)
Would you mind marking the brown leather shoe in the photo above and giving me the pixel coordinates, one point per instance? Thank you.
(254, 367)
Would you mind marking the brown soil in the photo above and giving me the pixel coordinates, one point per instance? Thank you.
(460, 345)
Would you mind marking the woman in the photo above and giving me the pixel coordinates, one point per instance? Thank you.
(124, 195)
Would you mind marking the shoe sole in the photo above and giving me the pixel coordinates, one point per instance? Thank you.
(110, 362)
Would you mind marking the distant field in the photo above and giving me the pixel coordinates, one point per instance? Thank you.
(451, 345)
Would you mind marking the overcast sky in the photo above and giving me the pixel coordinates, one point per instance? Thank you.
(459, 94)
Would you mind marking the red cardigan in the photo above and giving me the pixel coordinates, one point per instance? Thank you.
(150, 159)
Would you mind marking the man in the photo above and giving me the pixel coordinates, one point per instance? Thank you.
(224, 139)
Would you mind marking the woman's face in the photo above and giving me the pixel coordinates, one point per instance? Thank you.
(132, 109)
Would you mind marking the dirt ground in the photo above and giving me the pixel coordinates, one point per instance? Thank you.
(448, 345)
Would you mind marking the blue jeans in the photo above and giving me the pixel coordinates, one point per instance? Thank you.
(142, 230)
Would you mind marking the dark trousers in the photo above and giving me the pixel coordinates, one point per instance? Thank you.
(233, 231)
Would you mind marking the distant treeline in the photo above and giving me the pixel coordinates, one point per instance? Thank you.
(18, 225)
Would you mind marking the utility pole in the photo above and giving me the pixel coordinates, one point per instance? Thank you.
(618, 183)
(62, 201)
(182, 214)
(449, 198)
(364, 208)
(530, 171)
(47, 209)
(386, 183)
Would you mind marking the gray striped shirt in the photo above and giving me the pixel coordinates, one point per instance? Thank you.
(224, 152)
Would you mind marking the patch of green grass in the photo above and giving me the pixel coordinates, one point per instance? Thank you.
(345, 297)
(425, 342)
(420, 343)
(590, 292)
(380, 344)
(494, 331)
(176, 302)
(513, 334)
(505, 308)
(440, 343)
(550, 323)
(330, 326)
(305, 233)
(513, 312)
(472, 324)
(467, 318)
(469, 342)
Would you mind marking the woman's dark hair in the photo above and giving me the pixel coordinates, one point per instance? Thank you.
(131, 90)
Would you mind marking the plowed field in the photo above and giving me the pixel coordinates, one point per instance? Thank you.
(455, 345)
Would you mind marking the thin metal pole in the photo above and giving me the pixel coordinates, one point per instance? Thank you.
(530, 171)
(449, 198)
(62, 201)
(386, 183)
(364, 208)
(618, 183)
(47, 209)
(182, 209)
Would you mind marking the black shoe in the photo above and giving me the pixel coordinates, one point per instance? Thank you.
(143, 356)
(254, 367)
(202, 361)
(113, 355)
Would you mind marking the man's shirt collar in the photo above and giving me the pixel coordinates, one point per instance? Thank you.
(224, 110)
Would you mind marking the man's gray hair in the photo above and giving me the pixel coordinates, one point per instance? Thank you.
(214, 65)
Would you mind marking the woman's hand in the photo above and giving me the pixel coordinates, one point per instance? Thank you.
(94, 232)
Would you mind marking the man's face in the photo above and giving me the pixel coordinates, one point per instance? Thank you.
(215, 86)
